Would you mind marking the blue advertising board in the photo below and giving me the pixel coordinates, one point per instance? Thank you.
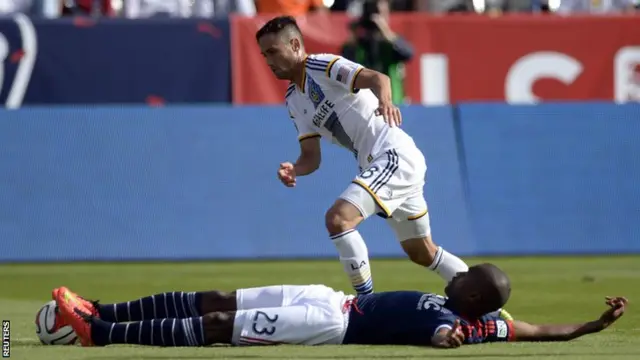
(113, 61)
(199, 182)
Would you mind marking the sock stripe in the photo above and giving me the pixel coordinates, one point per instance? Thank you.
(201, 321)
(111, 331)
(115, 313)
(192, 304)
(126, 332)
(437, 260)
(185, 331)
(129, 309)
(192, 332)
(175, 304)
(155, 314)
(361, 277)
(363, 287)
(184, 310)
(153, 324)
(141, 310)
(166, 307)
(140, 325)
(162, 331)
(337, 236)
(173, 331)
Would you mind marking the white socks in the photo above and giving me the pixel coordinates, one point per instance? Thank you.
(447, 265)
(354, 256)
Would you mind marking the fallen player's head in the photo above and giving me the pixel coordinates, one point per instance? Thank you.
(281, 44)
(482, 289)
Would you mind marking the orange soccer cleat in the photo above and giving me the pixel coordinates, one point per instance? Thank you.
(90, 306)
(75, 313)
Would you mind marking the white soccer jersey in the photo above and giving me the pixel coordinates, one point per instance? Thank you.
(329, 105)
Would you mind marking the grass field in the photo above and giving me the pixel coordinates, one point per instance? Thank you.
(544, 290)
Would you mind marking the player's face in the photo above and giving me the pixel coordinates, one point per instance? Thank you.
(280, 55)
(455, 288)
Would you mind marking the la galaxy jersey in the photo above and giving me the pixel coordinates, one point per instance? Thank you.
(329, 105)
(412, 318)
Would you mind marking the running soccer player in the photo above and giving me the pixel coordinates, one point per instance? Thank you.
(349, 105)
(318, 315)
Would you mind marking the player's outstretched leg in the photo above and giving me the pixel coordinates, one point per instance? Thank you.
(341, 222)
(175, 304)
(213, 328)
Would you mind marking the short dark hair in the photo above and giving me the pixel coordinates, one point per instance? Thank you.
(278, 24)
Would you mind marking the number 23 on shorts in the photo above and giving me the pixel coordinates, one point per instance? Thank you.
(263, 323)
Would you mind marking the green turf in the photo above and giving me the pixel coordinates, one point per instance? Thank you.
(544, 290)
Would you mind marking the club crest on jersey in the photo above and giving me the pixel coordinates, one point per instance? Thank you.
(316, 95)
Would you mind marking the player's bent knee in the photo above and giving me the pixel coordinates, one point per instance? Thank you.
(218, 327)
(412, 228)
(218, 317)
(421, 251)
(215, 300)
(342, 216)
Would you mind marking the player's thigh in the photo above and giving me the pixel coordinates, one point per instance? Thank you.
(298, 325)
(411, 219)
(388, 181)
(271, 296)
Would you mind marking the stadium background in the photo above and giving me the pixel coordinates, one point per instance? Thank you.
(158, 139)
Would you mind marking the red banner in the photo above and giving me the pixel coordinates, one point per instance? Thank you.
(518, 59)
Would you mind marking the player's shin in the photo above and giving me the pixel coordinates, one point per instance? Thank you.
(176, 304)
(157, 332)
(354, 257)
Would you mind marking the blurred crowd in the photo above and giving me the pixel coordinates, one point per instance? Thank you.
(216, 8)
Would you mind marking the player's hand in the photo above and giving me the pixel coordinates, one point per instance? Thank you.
(617, 306)
(453, 338)
(390, 113)
(287, 174)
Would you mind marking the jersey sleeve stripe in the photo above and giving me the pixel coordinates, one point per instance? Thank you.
(317, 62)
(308, 136)
(375, 197)
(331, 66)
(317, 67)
(353, 81)
(290, 90)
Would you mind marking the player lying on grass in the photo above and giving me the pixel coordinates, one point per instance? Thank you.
(318, 315)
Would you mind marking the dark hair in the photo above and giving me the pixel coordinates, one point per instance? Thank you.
(276, 25)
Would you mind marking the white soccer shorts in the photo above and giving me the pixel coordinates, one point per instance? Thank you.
(392, 185)
(288, 314)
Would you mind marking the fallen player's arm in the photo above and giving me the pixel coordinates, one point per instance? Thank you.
(310, 155)
(530, 332)
(377, 82)
(448, 337)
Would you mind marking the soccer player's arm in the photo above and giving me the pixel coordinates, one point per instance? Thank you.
(352, 76)
(522, 331)
(531, 332)
(310, 153)
(448, 334)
